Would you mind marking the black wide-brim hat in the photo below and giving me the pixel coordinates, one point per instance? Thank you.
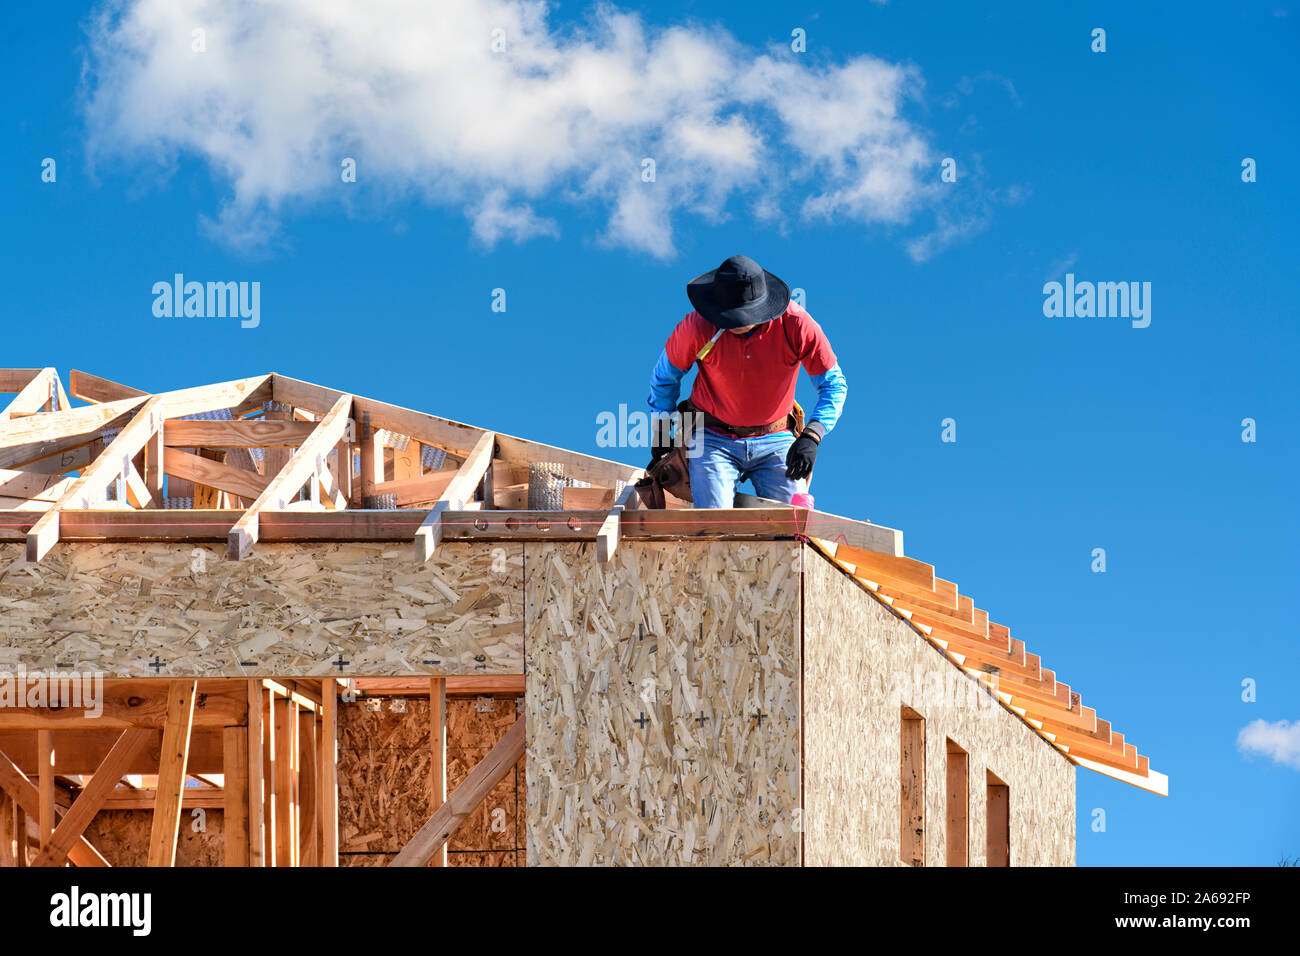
(738, 293)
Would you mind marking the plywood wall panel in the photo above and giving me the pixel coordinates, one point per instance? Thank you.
(663, 704)
(862, 664)
(384, 776)
(287, 610)
(384, 779)
(123, 837)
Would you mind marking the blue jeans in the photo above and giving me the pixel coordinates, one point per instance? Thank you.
(719, 464)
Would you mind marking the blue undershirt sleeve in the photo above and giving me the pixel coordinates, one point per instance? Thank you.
(665, 385)
(831, 390)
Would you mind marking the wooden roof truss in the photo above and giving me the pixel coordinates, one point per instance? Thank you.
(278, 459)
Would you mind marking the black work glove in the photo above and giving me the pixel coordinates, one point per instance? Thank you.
(661, 442)
(799, 459)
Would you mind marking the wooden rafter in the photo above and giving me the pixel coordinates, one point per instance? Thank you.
(113, 463)
(16, 379)
(458, 491)
(307, 462)
(92, 388)
(989, 655)
(84, 423)
(115, 460)
(41, 393)
(451, 436)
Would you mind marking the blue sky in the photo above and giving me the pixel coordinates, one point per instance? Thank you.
(1072, 434)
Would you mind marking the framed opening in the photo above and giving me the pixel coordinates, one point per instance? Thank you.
(957, 800)
(911, 788)
(998, 828)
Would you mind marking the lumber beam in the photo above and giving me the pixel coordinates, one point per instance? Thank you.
(72, 423)
(463, 801)
(608, 535)
(342, 465)
(8, 845)
(307, 462)
(214, 474)
(27, 798)
(458, 491)
(171, 772)
(263, 433)
(93, 796)
(92, 388)
(126, 704)
(81, 751)
(284, 780)
(41, 393)
(883, 568)
(194, 798)
(1157, 783)
(451, 436)
(327, 773)
(16, 379)
(370, 454)
(45, 783)
(410, 491)
(438, 756)
(235, 796)
(470, 686)
(256, 811)
(308, 824)
(834, 528)
(269, 758)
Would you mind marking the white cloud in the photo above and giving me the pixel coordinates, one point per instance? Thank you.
(414, 92)
(1059, 267)
(1279, 741)
(494, 218)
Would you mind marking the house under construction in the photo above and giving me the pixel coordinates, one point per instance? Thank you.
(268, 623)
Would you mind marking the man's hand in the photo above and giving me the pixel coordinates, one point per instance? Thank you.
(661, 442)
(799, 459)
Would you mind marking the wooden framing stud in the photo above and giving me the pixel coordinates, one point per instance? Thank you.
(236, 803)
(284, 780)
(256, 811)
(26, 799)
(308, 829)
(45, 780)
(327, 776)
(93, 796)
(438, 753)
(171, 772)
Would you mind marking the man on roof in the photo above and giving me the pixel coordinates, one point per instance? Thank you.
(749, 339)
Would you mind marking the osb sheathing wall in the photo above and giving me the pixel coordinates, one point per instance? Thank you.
(862, 664)
(663, 704)
(123, 837)
(163, 610)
